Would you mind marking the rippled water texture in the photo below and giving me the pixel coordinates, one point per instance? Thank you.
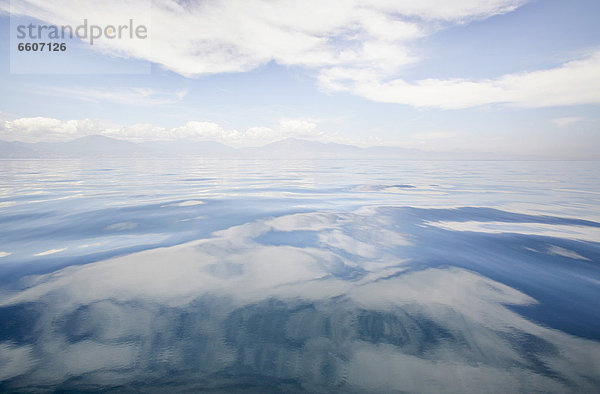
(318, 276)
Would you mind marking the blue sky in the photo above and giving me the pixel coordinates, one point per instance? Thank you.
(496, 75)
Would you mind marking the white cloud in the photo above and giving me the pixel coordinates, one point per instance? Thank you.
(565, 121)
(39, 129)
(198, 38)
(228, 36)
(575, 82)
(48, 129)
(28, 125)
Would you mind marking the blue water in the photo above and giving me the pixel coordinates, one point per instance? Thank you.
(301, 276)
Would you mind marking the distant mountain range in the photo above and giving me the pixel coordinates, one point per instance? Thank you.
(291, 148)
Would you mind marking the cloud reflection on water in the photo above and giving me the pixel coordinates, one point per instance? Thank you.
(575, 232)
(312, 301)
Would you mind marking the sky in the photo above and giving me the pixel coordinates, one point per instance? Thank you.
(508, 76)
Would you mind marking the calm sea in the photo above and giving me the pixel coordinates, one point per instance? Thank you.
(299, 276)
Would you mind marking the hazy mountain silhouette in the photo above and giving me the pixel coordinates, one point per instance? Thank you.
(290, 148)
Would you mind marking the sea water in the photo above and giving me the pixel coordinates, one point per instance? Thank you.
(320, 276)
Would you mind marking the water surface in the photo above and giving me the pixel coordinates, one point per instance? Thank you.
(319, 276)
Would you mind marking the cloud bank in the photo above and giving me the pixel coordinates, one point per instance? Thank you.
(38, 129)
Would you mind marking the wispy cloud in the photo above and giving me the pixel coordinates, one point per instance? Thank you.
(565, 121)
(127, 96)
(574, 82)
